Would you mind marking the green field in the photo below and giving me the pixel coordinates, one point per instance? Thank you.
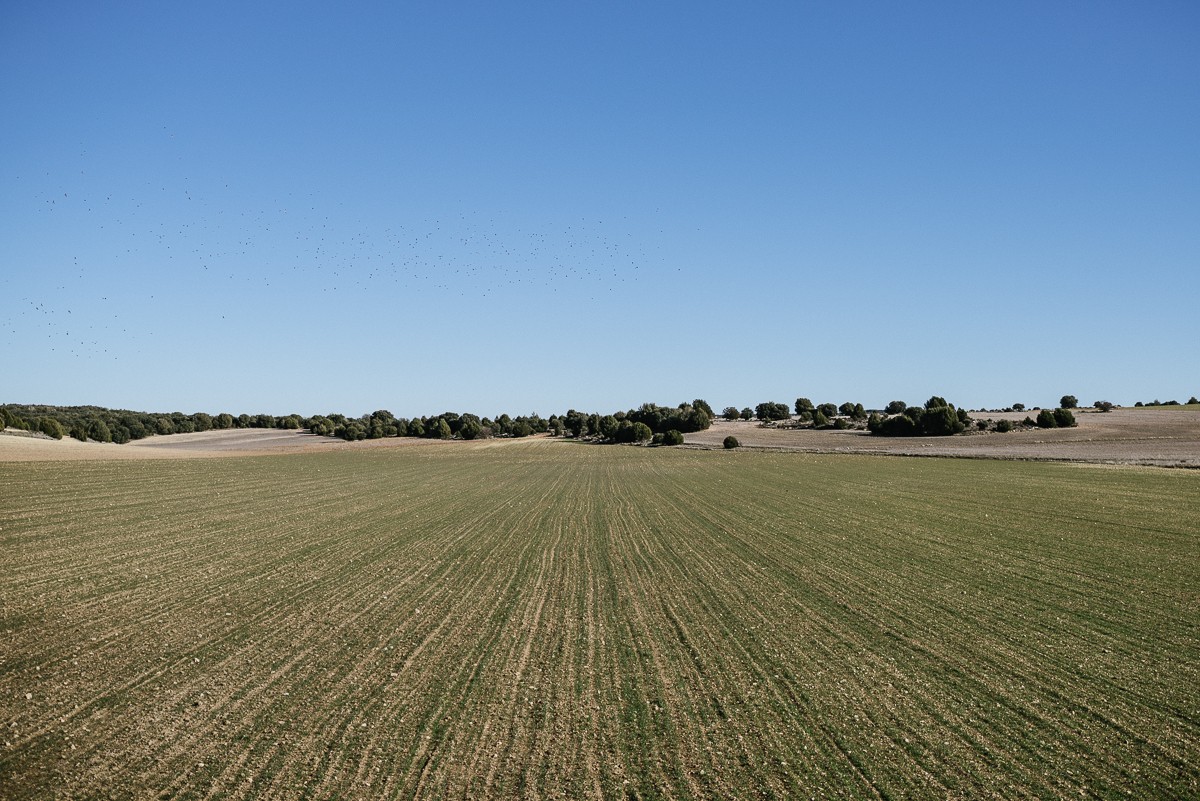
(545, 619)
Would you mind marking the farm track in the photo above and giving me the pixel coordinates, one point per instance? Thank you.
(546, 620)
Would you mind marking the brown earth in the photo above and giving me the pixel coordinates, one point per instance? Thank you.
(1124, 436)
(20, 446)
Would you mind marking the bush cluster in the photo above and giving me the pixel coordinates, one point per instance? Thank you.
(936, 418)
(1057, 418)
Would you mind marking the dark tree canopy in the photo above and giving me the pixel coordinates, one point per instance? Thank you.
(936, 418)
(770, 410)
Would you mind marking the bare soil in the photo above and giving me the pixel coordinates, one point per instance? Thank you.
(1123, 436)
(19, 446)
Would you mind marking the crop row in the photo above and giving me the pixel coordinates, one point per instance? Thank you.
(549, 619)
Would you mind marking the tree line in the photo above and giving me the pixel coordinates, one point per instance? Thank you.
(648, 423)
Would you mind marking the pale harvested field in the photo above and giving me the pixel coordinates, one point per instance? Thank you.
(18, 447)
(1157, 437)
(546, 619)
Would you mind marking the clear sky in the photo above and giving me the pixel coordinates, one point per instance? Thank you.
(517, 207)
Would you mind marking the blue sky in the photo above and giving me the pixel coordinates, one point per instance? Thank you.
(532, 207)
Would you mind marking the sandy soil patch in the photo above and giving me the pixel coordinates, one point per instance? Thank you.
(1124, 436)
(21, 446)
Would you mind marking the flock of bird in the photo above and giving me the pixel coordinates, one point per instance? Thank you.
(126, 243)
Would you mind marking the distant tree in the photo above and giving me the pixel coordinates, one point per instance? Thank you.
(874, 423)
(936, 418)
(1192, 401)
(608, 426)
(819, 420)
(163, 426)
(730, 413)
(441, 429)
(730, 442)
(772, 411)
(51, 427)
(803, 405)
(642, 432)
(1102, 406)
(896, 407)
(1138, 404)
(1003, 425)
(827, 409)
(672, 437)
(702, 405)
(245, 421)
(98, 430)
(202, 421)
(747, 413)
(1064, 419)
(79, 431)
(846, 409)
(470, 429)
(521, 429)
(900, 425)
(1046, 419)
(223, 421)
(1068, 402)
(858, 413)
(1018, 407)
(941, 421)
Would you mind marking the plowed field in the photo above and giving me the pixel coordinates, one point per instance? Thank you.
(542, 619)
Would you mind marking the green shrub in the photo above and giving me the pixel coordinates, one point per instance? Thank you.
(819, 419)
(1046, 419)
(1004, 426)
(1068, 402)
(1064, 418)
(51, 427)
(901, 425)
(770, 410)
(731, 442)
(981, 425)
(940, 421)
(672, 437)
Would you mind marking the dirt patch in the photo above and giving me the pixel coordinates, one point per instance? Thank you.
(1124, 436)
